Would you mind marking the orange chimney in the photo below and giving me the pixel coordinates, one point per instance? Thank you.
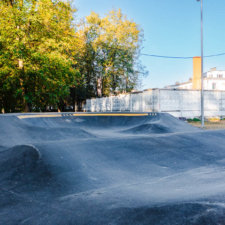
(197, 72)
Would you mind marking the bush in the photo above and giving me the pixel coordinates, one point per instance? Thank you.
(194, 120)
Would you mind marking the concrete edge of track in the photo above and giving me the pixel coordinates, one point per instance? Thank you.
(72, 114)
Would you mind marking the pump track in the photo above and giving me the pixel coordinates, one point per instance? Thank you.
(109, 169)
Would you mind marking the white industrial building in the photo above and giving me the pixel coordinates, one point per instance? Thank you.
(213, 80)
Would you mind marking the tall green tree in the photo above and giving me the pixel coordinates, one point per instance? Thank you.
(37, 46)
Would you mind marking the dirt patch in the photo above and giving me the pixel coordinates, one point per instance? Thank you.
(210, 125)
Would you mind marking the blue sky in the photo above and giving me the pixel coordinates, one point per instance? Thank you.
(171, 27)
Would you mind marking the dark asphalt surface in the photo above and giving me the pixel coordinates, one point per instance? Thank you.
(110, 170)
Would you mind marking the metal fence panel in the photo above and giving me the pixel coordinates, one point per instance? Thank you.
(180, 103)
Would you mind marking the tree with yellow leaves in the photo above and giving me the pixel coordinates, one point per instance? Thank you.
(110, 53)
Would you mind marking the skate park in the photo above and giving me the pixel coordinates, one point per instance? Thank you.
(109, 168)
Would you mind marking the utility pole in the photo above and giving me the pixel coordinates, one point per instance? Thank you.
(202, 67)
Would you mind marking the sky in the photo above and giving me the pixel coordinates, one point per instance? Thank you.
(171, 28)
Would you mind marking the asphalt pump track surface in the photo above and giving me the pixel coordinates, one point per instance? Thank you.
(109, 169)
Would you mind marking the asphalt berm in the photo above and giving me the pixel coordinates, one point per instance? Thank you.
(109, 169)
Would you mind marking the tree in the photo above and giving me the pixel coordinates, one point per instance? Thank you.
(36, 59)
(110, 57)
(48, 60)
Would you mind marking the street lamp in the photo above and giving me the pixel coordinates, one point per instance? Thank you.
(202, 75)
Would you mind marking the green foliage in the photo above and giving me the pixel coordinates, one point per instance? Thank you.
(194, 120)
(48, 60)
(110, 57)
(37, 42)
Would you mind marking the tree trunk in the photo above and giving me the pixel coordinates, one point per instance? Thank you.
(26, 108)
(21, 67)
(75, 106)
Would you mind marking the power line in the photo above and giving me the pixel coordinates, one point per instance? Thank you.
(209, 56)
(166, 57)
(180, 57)
(163, 56)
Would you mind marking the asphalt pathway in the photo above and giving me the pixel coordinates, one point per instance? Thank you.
(109, 169)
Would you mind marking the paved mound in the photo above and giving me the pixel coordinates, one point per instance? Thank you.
(15, 131)
(160, 124)
(109, 169)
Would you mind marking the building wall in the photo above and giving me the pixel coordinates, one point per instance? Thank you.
(214, 84)
(196, 81)
(179, 103)
(187, 85)
(213, 73)
(210, 83)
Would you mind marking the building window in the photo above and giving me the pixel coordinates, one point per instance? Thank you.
(213, 86)
(219, 75)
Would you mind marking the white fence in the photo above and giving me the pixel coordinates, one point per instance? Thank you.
(179, 103)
